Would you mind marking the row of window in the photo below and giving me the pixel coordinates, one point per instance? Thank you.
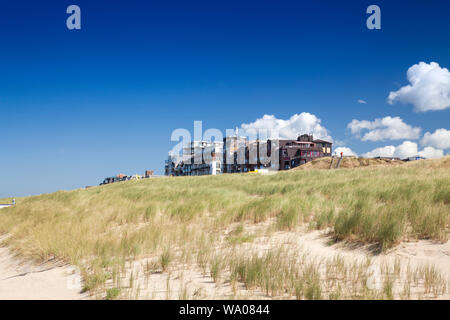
(303, 153)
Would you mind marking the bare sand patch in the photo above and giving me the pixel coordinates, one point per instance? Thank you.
(189, 281)
(21, 280)
(25, 280)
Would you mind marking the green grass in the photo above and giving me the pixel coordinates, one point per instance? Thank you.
(165, 259)
(101, 228)
(112, 293)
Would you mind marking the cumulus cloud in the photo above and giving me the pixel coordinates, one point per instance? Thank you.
(345, 151)
(387, 128)
(439, 139)
(430, 152)
(361, 101)
(387, 151)
(404, 150)
(429, 88)
(288, 129)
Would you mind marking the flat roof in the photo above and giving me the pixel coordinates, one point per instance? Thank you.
(321, 141)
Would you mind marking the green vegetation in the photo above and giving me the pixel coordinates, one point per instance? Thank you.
(165, 259)
(101, 229)
(112, 293)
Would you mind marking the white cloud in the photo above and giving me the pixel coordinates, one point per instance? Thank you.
(429, 88)
(387, 128)
(430, 152)
(404, 150)
(346, 151)
(439, 139)
(387, 151)
(338, 143)
(362, 101)
(289, 129)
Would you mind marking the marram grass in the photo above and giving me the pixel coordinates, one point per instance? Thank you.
(101, 228)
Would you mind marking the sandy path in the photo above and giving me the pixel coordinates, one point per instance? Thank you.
(25, 281)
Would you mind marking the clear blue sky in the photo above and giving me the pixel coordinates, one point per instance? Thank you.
(77, 106)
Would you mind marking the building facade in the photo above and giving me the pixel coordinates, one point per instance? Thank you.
(294, 153)
(198, 158)
(237, 154)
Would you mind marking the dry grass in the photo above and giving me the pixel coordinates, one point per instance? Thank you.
(350, 162)
(180, 220)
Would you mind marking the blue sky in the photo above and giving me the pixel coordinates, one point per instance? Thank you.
(79, 105)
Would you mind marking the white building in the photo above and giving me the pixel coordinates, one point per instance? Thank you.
(199, 158)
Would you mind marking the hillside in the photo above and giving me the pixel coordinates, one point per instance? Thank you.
(354, 162)
(248, 235)
(442, 163)
(349, 162)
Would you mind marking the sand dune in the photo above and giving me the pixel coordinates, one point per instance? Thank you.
(21, 280)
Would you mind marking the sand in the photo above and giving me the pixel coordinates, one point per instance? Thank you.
(50, 281)
(189, 281)
(26, 281)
